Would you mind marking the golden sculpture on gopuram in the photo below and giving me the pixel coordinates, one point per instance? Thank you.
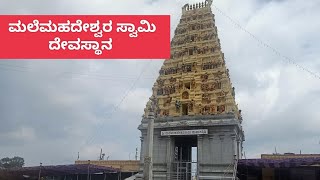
(195, 80)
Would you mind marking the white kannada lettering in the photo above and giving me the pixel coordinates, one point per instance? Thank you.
(64, 27)
(64, 45)
(16, 27)
(143, 22)
(74, 45)
(106, 45)
(34, 26)
(85, 27)
(98, 52)
(98, 34)
(98, 48)
(55, 44)
(134, 34)
(107, 27)
(92, 27)
(77, 26)
(48, 27)
(95, 27)
(127, 27)
(89, 45)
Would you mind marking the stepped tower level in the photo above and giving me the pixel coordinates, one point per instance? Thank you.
(192, 125)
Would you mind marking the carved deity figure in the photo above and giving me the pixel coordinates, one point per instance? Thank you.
(240, 115)
(221, 99)
(193, 84)
(165, 113)
(168, 100)
(213, 109)
(204, 78)
(211, 86)
(206, 110)
(147, 160)
(233, 92)
(190, 105)
(218, 75)
(160, 91)
(153, 103)
(206, 98)
(178, 105)
(185, 95)
(180, 85)
(160, 82)
(221, 109)
(172, 80)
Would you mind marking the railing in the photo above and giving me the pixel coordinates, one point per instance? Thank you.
(232, 167)
(189, 7)
(184, 171)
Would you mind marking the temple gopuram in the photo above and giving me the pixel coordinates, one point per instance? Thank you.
(191, 127)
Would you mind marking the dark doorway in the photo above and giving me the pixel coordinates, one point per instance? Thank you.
(184, 165)
(184, 109)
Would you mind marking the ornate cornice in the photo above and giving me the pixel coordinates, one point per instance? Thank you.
(193, 123)
(195, 117)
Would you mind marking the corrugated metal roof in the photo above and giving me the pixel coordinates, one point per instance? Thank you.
(272, 163)
(62, 170)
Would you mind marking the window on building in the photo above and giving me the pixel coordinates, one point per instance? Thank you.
(187, 85)
(192, 38)
(190, 51)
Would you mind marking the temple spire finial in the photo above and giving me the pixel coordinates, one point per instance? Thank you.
(199, 5)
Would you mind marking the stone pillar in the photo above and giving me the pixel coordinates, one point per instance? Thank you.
(211, 139)
(221, 137)
(141, 153)
(148, 168)
(234, 146)
(169, 157)
(200, 152)
(239, 156)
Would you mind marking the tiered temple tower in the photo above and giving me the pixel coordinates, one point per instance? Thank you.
(192, 111)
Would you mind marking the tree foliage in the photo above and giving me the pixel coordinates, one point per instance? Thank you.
(12, 162)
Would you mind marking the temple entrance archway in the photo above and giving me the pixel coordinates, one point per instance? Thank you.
(185, 158)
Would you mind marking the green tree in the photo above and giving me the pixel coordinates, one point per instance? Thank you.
(12, 162)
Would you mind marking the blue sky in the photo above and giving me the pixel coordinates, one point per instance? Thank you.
(51, 110)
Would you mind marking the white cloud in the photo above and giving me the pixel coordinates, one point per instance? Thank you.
(25, 134)
(136, 101)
